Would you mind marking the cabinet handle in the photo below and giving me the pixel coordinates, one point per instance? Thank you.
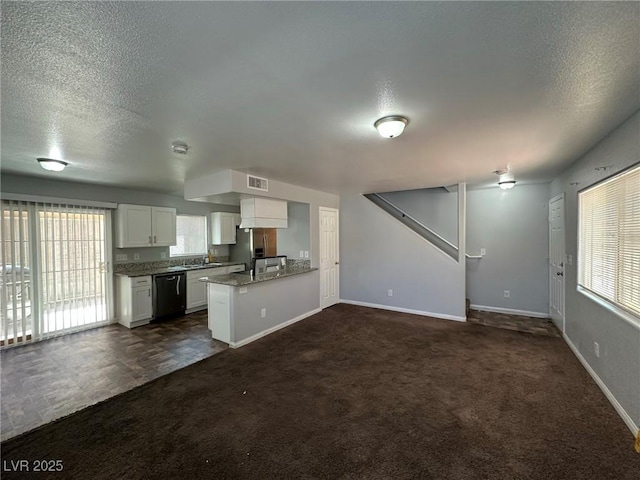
(150, 239)
(149, 293)
(154, 239)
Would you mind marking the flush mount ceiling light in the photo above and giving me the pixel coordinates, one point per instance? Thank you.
(507, 184)
(505, 180)
(391, 126)
(51, 164)
(180, 148)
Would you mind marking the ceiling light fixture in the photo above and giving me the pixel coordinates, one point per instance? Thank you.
(391, 126)
(51, 164)
(507, 184)
(180, 148)
(505, 179)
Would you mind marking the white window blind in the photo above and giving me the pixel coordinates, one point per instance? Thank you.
(191, 236)
(609, 240)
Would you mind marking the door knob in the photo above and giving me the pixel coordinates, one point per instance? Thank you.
(560, 274)
(337, 263)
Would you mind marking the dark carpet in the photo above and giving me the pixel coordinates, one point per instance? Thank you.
(352, 393)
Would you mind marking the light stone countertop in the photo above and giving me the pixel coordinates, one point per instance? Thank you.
(240, 279)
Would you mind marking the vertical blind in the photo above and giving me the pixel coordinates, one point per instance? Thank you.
(54, 276)
(609, 240)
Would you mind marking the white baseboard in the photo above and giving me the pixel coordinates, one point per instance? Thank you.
(443, 316)
(607, 393)
(266, 332)
(509, 311)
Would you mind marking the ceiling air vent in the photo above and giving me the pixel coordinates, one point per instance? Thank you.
(257, 183)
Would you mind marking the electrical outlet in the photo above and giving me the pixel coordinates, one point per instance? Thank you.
(596, 349)
(136, 256)
(301, 253)
(390, 293)
(483, 251)
(163, 255)
(242, 290)
(263, 313)
(121, 257)
(306, 254)
(507, 294)
(215, 251)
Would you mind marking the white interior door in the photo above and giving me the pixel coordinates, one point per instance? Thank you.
(329, 258)
(556, 260)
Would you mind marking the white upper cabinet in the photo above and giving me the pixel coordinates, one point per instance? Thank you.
(223, 228)
(263, 213)
(143, 226)
(163, 226)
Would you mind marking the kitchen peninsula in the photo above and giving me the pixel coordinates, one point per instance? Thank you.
(244, 307)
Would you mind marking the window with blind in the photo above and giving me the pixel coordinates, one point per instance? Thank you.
(191, 236)
(609, 240)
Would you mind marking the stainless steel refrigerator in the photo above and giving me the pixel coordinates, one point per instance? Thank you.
(252, 243)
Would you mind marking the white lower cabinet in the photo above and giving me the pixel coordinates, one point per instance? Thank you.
(219, 314)
(135, 306)
(197, 290)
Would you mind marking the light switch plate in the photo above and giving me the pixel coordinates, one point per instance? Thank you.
(483, 251)
(163, 255)
(243, 290)
(121, 257)
(306, 254)
(136, 256)
(301, 253)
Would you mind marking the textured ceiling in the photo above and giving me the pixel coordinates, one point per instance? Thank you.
(290, 91)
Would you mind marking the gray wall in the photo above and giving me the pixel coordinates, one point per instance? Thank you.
(378, 253)
(82, 191)
(586, 321)
(295, 238)
(512, 226)
(300, 292)
(435, 208)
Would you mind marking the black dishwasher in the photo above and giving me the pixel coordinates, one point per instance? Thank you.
(169, 294)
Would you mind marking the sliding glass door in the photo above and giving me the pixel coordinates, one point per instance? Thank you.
(55, 274)
(16, 319)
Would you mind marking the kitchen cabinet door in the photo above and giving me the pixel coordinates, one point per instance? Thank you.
(134, 226)
(197, 290)
(163, 223)
(142, 226)
(196, 293)
(142, 307)
(223, 228)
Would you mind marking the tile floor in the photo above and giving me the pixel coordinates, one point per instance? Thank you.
(539, 326)
(53, 378)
